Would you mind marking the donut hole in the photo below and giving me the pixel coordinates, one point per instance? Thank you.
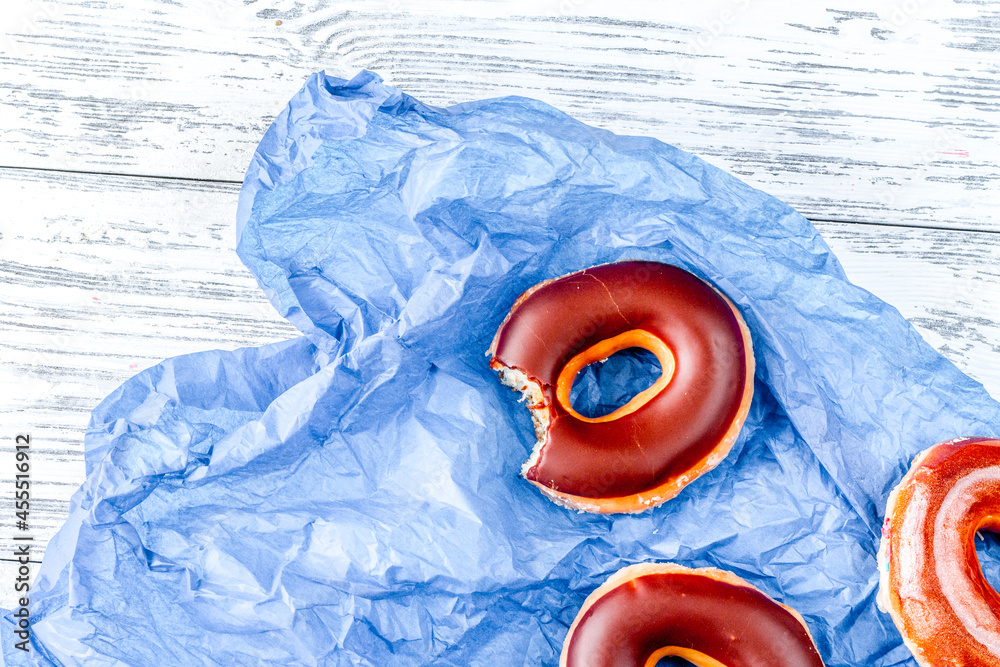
(988, 554)
(673, 661)
(604, 386)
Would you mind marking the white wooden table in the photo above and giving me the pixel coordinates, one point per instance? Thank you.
(125, 129)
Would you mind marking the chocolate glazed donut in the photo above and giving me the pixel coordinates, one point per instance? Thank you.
(709, 617)
(930, 579)
(646, 451)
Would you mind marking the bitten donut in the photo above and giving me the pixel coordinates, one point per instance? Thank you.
(647, 450)
(709, 617)
(930, 580)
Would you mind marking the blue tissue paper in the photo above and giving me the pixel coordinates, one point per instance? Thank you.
(352, 497)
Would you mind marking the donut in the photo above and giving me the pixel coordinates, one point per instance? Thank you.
(930, 580)
(646, 451)
(709, 617)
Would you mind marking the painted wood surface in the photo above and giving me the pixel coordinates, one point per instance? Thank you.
(104, 276)
(125, 129)
(96, 292)
(882, 111)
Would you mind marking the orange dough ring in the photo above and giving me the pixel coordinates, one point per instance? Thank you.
(646, 451)
(709, 617)
(930, 580)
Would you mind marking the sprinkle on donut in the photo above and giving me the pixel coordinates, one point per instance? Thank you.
(682, 426)
(709, 617)
(931, 583)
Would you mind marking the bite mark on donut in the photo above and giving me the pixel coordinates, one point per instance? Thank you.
(531, 393)
(548, 404)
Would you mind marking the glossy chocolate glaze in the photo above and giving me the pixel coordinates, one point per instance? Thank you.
(669, 434)
(942, 602)
(737, 625)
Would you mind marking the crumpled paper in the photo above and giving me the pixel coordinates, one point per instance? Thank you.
(352, 497)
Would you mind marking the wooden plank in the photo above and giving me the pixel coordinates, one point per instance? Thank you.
(884, 112)
(103, 276)
(946, 283)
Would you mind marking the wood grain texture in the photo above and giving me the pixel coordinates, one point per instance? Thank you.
(946, 283)
(126, 127)
(884, 112)
(104, 276)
